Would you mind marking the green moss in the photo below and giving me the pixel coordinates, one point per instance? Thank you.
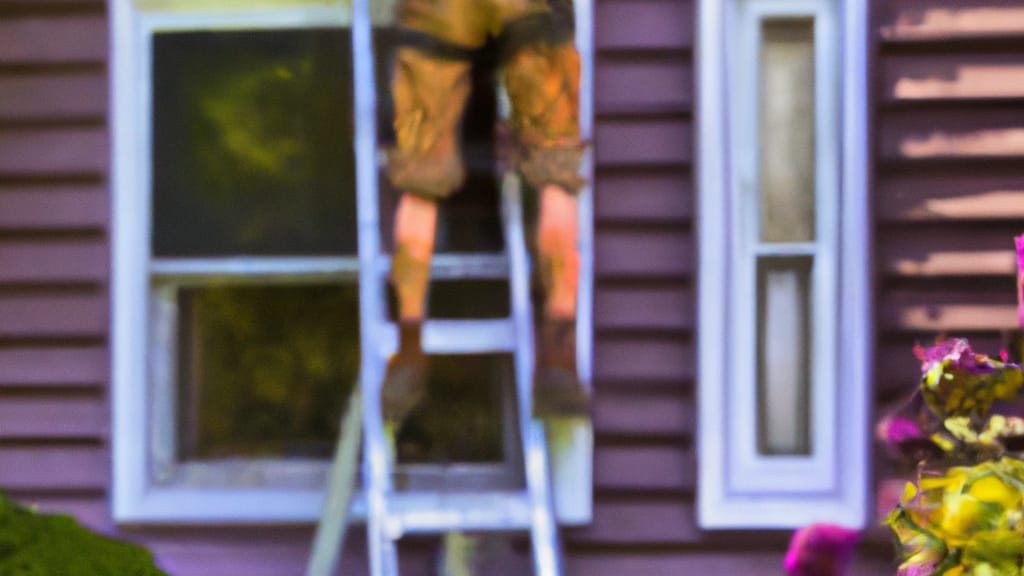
(34, 544)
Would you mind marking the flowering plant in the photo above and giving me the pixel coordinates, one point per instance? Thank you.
(967, 516)
(964, 514)
(968, 520)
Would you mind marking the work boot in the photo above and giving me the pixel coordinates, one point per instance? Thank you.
(405, 381)
(557, 390)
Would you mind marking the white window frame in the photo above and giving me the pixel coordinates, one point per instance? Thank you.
(739, 487)
(148, 486)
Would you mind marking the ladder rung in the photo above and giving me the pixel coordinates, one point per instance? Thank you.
(461, 336)
(456, 266)
(431, 512)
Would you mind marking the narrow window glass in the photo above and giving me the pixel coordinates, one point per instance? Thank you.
(462, 418)
(786, 130)
(784, 351)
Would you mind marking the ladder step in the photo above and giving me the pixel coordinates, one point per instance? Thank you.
(459, 266)
(432, 512)
(458, 336)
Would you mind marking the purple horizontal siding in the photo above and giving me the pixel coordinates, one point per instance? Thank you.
(641, 307)
(54, 417)
(51, 151)
(949, 179)
(644, 468)
(995, 195)
(54, 39)
(54, 315)
(58, 208)
(664, 414)
(946, 21)
(928, 250)
(54, 263)
(74, 95)
(36, 365)
(651, 197)
(644, 355)
(54, 467)
(642, 142)
(56, 260)
(639, 520)
(716, 562)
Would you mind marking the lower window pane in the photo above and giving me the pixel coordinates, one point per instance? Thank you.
(465, 299)
(265, 371)
(462, 418)
(783, 355)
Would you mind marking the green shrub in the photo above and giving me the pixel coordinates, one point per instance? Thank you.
(34, 544)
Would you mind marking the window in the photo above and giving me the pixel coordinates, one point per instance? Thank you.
(236, 305)
(784, 337)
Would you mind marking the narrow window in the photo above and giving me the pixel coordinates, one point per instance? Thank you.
(783, 272)
(787, 201)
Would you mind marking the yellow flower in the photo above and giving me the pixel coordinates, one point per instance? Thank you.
(993, 490)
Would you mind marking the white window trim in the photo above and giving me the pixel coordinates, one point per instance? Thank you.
(738, 488)
(779, 473)
(136, 308)
(136, 410)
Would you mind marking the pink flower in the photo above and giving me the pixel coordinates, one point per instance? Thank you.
(821, 550)
(899, 429)
(953, 354)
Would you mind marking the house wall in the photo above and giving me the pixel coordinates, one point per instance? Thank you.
(54, 267)
(948, 193)
(949, 181)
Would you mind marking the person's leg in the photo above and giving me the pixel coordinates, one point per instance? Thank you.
(429, 95)
(557, 389)
(415, 228)
(543, 84)
(405, 379)
(557, 243)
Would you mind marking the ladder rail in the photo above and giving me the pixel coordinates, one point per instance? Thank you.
(376, 468)
(543, 530)
(330, 532)
(384, 527)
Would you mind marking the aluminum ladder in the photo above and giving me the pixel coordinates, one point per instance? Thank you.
(391, 514)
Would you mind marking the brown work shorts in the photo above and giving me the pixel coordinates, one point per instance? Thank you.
(430, 94)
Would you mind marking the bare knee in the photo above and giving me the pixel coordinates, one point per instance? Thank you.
(415, 226)
(558, 226)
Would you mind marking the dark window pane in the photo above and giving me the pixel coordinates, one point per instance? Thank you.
(469, 299)
(465, 299)
(252, 143)
(265, 371)
(461, 419)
